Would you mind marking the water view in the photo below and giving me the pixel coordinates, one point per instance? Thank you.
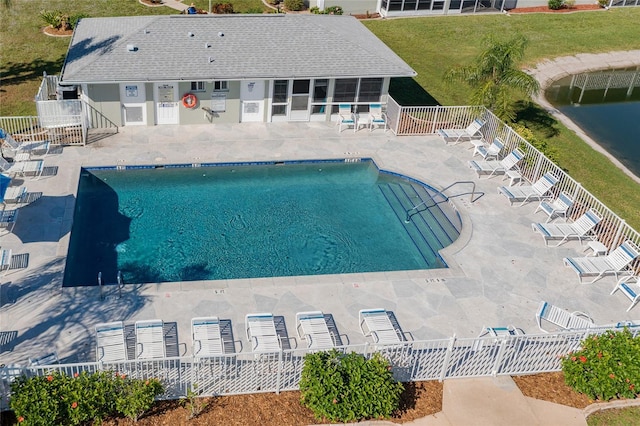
(606, 105)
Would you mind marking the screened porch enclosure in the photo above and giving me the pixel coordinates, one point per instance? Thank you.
(443, 7)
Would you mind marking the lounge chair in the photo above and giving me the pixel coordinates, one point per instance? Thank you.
(206, 337)
(5, 259)
(22, 168)
(111, 345)
(615, 263)
(47, 359)
(630, 287)
(150, 339)
(562, 318)
(491, 151)
(557, 207)
(472, 132)
(578, 230)
(261, 333)
(494, 167)
(377, 117)
(346, 117)
(8, 219)
(376, 324)
(533, 192)
(312, 327)
(35, 147)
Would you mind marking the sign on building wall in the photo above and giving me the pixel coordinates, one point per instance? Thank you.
(219, 102)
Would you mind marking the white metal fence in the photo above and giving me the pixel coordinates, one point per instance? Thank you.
(59, 129)
(611, 231)
(243, 373)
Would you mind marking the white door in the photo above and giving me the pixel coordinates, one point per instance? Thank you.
(167, 104)
(252, 101)
(134, 108)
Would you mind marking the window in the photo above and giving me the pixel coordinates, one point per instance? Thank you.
(370, 90)
(280, 97)
(344, 91)
(220, 86)
(320, 90)
(197, 86)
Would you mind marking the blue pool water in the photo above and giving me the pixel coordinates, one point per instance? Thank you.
(245, 221)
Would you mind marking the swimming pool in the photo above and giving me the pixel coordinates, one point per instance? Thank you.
(226, 221)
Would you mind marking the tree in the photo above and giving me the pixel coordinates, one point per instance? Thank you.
(494, 76)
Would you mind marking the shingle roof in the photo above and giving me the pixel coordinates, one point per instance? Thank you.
(226, 47)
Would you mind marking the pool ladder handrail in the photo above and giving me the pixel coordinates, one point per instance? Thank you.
(119, 283)
(446, 198)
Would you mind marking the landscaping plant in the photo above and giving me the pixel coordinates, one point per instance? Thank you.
(556, 4)
(606, 367)
(58, 399)
(294, 5)
(348, 387)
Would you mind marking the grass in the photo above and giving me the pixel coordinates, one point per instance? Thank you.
(615, 417)
(429, 45)
(432, 45)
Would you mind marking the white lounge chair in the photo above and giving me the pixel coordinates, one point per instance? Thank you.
(261, 333)
(491, 151)
(22, 168)
(150, 339)
(533, 192)
(494, 167)
(111, 345)
(578, 230)
(312, 327)
(206, 337)
(562, 318)
(376, 323)
(32, 147)
(630, 287)
(377, 117)
(557, 207)
(615, 263)
(8, 219)
(346, 117)
(472, 132)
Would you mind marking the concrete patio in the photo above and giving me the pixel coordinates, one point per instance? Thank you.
(499, 268)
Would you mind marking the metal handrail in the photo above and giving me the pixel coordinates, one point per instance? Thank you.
(446, 198)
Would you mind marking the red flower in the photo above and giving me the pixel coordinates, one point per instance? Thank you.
(74, 405)
(583, 359)
(76, 374)
(631, 386)
(599, 354)
(146, 383)
(573, 358)
(20, 419)
(612, 376)
(335, 401)
(50, 378)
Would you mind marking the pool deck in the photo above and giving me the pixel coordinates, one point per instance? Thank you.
(500, 269)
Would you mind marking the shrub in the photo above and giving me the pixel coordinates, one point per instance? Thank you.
(541, 145)
(294, 5)
(556, 4)
(222, 8)
(60, 21)
(604, 3)
(57, 399)
(334, 10)
(569, 4)
(606, 367)
(347, 387)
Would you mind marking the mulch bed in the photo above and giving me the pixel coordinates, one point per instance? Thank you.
(50, 31)
(551, 387)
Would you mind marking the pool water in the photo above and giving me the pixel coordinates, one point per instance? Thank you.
(238, 221)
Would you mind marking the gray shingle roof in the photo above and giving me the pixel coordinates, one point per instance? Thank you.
(191, 48)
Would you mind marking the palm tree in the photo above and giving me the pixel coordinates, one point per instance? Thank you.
(494, 76)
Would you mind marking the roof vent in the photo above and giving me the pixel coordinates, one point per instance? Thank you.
(132, 48)
(190, 34)
(220, 34)
(207, 45)
(211, 59)
(146, 31)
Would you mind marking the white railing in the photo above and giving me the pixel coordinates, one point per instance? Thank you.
(60, 130)
(242, 373)
(611, 231)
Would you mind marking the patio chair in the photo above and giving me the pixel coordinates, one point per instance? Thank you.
(533, 192)
(377, 117)
(578, 230)
(346, 117)
(630, 287)
(35, 147)
(261, 333)
(150, 339)
(376, 324)
(562, 318)
(22, 168)
(312, 327)
(557, 207)
(8, 219)
(472, 132)
(491, 151)
(615, 263)
(111, 345)
(206, 337)
(47, 359)
(494, 167)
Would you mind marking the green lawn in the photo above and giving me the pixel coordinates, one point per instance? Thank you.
(615, 417)
(429, 45)
(432, 45)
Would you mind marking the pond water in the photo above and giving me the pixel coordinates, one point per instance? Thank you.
(606, 105)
